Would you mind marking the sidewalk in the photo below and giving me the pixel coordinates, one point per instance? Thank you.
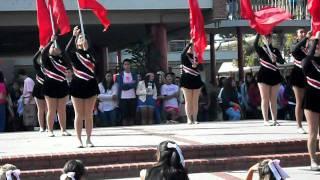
(295, 173)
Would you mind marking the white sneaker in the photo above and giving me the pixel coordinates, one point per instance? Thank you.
(314, 166)
(267, 123)
(42, 130)
(66, 133)
(301, 131)
(50, 134)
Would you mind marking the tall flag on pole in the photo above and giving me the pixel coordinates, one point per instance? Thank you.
(197, 31)
(60, 16)
(44, 23)
(97, 9)
(264, 20)
(314, 9)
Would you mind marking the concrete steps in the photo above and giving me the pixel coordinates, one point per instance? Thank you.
(128, 162)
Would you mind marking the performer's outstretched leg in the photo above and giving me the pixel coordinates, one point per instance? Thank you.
(313, 126)
(61, 109)
(273, 103)
(265, 97)
(188, 104)
(88, 109)
(52, 104)
(195, 102)
(79, 106)
(299, 94)
(42, 106)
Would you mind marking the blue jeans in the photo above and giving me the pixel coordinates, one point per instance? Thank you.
(233, 114)
(108, 118)
(2, 117)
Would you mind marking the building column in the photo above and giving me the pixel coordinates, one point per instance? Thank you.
(213, 62)
(159, 48)
(240, 54)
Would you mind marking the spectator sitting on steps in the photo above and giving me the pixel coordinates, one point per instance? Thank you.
(73, 170)
(9, 171)
(268, 170)
(170, 164)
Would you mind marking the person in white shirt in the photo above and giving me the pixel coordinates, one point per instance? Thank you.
(108, 101)
(147, 96)
(29, 105)
(171, 93)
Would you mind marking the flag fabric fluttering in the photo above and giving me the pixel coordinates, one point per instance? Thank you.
(264, 20)
(314, 9)
(60, 17)
(97, 9)
(44, 23)
(197, 32)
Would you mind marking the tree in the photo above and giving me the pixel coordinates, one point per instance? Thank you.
(139, 56)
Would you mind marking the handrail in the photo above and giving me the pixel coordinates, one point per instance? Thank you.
(298, 8)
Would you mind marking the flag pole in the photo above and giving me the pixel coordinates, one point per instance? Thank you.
(52, 26)
(80, 17)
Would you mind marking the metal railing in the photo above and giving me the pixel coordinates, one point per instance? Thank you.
(298, 8)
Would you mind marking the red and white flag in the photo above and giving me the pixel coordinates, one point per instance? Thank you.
(197, 32)
(314, 9)
(44, 23)
(60, 17)
(264, 20)
(98, 10)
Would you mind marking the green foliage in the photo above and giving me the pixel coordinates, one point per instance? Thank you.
(250, 57)
(139, 53)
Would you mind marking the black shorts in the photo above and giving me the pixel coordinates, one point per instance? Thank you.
(297, 77)
(84, 89)
(269, 77)
(55, 89)
(128, 108)
(312, 99)
(38, 91)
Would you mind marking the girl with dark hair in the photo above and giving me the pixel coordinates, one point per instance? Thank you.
(73, 170)
(297, 77)
(147, 95)
(108, 100)
(3, 102)
(170, 164)
(269, 77)
(191, 83)
(84, 87)
(38, 90)
(55, 87)
(311, 68)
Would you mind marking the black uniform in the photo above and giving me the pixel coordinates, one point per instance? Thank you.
(311, 68)
(190, 77)
(297, 77)
(269, 72)
(83, 85)
(55, 67)
(40, 77)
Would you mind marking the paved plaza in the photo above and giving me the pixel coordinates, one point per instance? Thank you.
(23, 143)
(134, 137)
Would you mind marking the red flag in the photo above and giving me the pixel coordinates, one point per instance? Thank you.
(264, 20)
(44, 23)
(98, 10)
(60, 16)
(197, 32)
(313, 7)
